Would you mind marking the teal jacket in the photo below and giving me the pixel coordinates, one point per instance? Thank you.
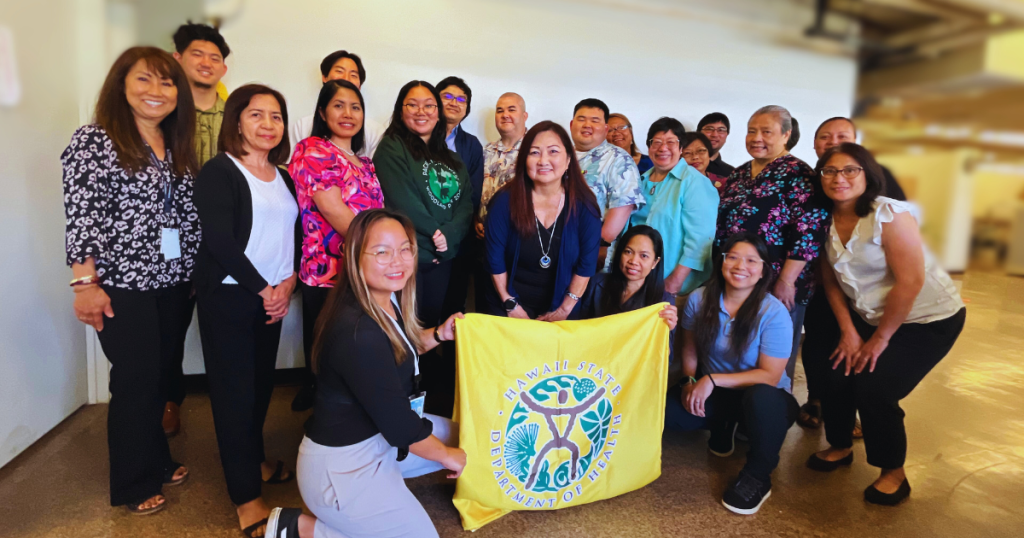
(684, 210)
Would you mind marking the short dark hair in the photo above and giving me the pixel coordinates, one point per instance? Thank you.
(663, 124)
(874, 178)
(230, 139)
(590, 102)
(714, 117)
(332, 58)
(460, 84)
(189, 32)
(327, 92)
(836, 118)
(794, 135)
(695, 136)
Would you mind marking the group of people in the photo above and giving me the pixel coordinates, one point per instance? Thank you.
(177, 199)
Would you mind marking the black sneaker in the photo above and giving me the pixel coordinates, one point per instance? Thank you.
(722, 442)
(745, 495)
(304, 399)
(283, 523)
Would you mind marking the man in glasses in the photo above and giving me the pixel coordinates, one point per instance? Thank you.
(340, 65)
(715, 126)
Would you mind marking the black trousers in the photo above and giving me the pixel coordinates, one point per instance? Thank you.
(140, 341)
(313, 299)
(437, 370)
(821, 336)
(240, 351)
(913, 351)
(766, 411)
(174, 376)
(463, 268)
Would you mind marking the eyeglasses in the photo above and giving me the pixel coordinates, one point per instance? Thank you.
(696, 153)
(719, 130)
(620, 128)
(413, 107)
(461, 99)
(849, 172)
(655, 144)
(733, 259)
(385, 255)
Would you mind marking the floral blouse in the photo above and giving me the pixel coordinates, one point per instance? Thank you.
(117, 218)
(778, 206)
(317, 165)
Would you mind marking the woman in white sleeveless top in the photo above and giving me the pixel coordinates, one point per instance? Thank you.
(898, 311)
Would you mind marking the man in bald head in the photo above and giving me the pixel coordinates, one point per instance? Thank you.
(500, 156)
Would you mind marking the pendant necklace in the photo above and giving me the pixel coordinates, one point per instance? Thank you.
(341, 149)
(545, 259)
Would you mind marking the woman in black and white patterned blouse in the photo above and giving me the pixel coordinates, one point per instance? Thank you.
(132, 237)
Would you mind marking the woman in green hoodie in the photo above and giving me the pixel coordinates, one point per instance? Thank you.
(422, 178)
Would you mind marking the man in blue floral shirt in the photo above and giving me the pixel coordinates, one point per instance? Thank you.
(609, 170)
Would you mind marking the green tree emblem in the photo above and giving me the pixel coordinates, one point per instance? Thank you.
(443, 184)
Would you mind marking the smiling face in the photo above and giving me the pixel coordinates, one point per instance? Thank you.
(454, 111)
(717, 133)
(344, 114)
(665, 153)
(589, 128)
(765, 139)
(261, 124)
(510, 117)
(419, 112)
(548, 159)
(833, 134)
(344, 69)
(638, 258)
(203, 64)
(619, 133)
(838, 187)
(742, 266)
(697, 156)
(151, 96)
(387, 238)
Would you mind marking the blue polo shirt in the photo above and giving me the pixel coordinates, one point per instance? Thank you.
(773, 337)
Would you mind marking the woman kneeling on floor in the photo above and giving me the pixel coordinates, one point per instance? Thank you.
(368, 416)
(740, 337)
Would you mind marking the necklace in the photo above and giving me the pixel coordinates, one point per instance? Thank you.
(545, 259)
(341, 149)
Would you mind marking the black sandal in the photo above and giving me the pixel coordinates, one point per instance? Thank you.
(136, 509)
(250, 531)
(810, 416)
(169, 479)
(276, 477)
(283, 520)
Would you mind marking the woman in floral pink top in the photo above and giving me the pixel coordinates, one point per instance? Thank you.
(333, 185)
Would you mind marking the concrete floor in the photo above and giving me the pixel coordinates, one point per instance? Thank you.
(966, 466)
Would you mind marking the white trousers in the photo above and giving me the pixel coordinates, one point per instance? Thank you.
(359, 490)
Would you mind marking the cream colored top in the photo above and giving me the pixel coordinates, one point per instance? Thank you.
(864, 274)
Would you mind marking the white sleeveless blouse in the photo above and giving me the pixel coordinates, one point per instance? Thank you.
(864, 275)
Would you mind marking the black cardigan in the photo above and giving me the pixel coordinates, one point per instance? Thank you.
(224, 204)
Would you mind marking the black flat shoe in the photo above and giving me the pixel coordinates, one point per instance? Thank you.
(825, 466)
(874, 496)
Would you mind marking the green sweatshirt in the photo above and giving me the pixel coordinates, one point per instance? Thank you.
(430, 193)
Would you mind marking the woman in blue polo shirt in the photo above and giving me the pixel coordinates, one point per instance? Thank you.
(738, 338)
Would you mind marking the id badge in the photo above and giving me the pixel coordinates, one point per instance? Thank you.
(170, 246)
(416, 402)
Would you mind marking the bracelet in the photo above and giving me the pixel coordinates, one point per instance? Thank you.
(85, 280)
(573, 296)
(437, 335)
(692, 380)
(713, 384)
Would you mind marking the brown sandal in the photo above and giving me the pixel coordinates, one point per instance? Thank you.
(136, 509)
(250, 531)
(810, 415)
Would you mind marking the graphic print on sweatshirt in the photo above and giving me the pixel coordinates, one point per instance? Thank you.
(442, 184)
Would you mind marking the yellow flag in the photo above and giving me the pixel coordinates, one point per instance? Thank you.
(553, 415)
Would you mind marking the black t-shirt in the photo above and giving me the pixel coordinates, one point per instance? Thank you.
(360, 391)
(535, 284)
(720, 167)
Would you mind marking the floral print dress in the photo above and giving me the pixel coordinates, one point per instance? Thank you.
(317, 165)
(779, 206)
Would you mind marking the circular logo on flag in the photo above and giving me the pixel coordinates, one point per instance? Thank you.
(553, 442)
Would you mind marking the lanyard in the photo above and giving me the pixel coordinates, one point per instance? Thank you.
(416, 357)
(166, 181)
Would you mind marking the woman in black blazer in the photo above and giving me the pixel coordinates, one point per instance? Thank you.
(245, 275)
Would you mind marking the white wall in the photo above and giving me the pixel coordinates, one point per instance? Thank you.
(42, 345)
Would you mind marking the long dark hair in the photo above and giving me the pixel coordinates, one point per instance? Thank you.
(327, 92)
(230, 139)
(114, 114)
(749, 314)
(436, 150)
(873, 176)
(520, 187)
(653, 290)
(350, 280)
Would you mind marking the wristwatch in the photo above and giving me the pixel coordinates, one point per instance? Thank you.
(510, 304)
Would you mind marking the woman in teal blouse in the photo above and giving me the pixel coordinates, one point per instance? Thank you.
(682, 205)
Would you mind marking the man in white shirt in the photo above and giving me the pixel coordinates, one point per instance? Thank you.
(340, 65)
(609, 170)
